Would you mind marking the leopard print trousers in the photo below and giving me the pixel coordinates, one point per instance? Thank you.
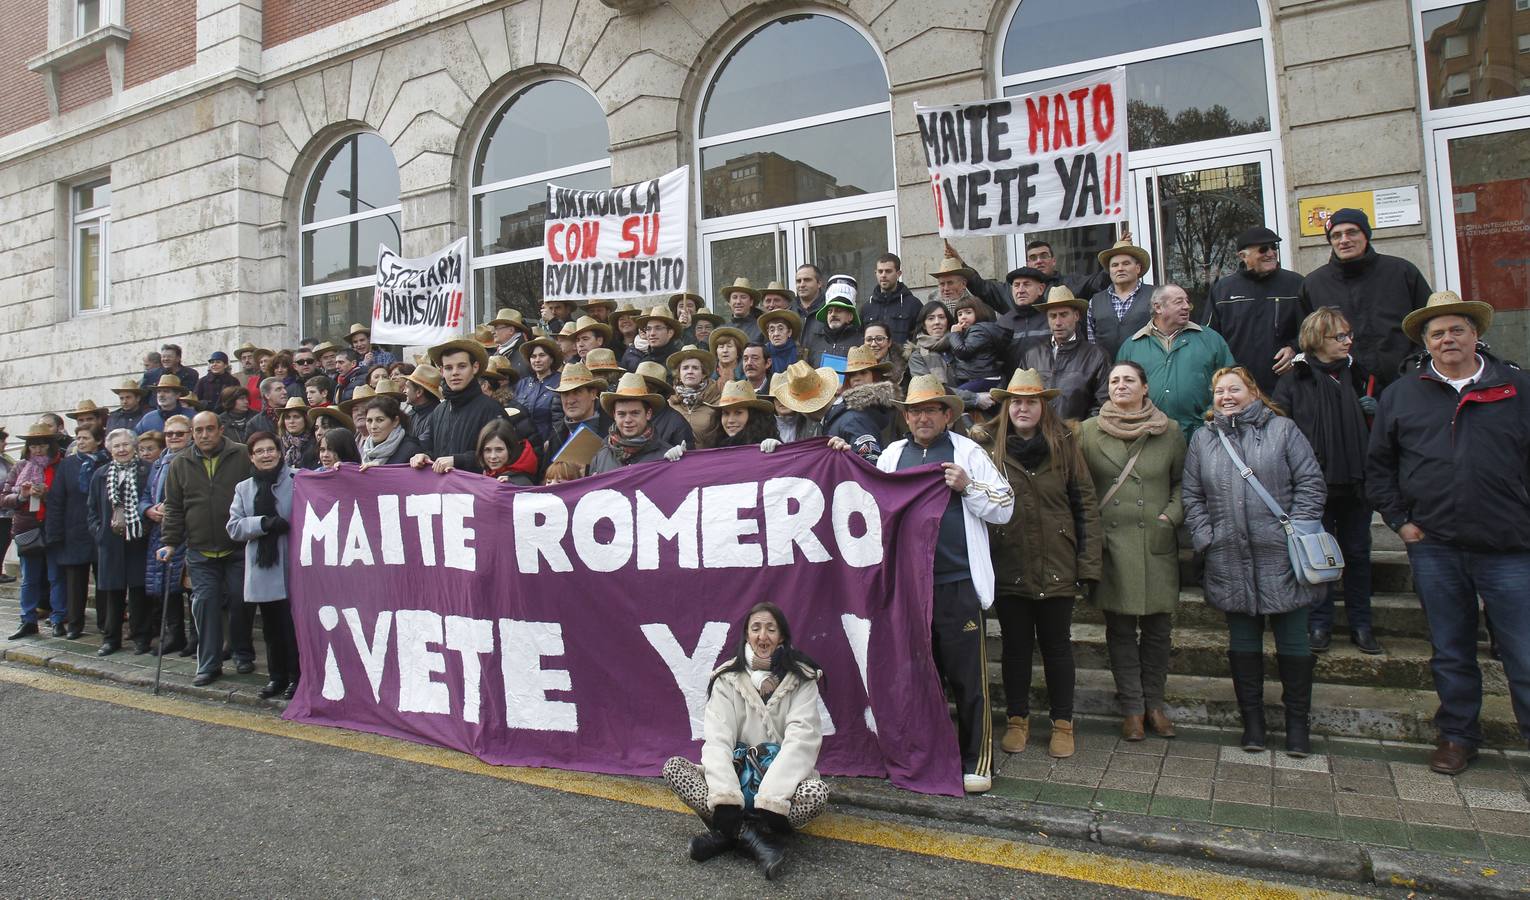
(689, 782)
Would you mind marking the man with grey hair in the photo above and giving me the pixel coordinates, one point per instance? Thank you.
(273, 396)
(1179, 357)
(1258, 309)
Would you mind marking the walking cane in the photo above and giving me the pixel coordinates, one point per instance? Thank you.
(164, 612)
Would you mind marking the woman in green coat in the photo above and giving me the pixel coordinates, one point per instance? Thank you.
(1139, 587)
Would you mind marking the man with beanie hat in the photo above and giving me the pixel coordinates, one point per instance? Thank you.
(1257, 309)
(1374, 291)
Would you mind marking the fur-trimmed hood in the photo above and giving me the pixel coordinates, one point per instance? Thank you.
(870, 396)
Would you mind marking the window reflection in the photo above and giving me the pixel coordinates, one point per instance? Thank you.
(512, 286)
(1198, 96)
(347, 251)
(358, 174)
(802, 166)
(1477, 52)
(512, 219)
(1490, 193)
(331, 314)
(793, 68)
(1046, 33)
(550, 125)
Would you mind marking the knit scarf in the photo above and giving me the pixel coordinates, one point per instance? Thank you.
(691, 396)
(1029, 452)
(765, 681)
(1130, 426)
(372, 452)
(782, 356)
(88, 465)
(627, 448)
(268, 546)
(295, 447)
(122, 488)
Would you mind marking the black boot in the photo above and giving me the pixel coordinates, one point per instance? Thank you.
(27, 629)
(1248, 686)
(709, 844)
(758, 842)
(1296, 695)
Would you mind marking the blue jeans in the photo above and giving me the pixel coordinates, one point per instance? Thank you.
(1449, 580)
(1348, 519)
(217, 585)
(34, 570)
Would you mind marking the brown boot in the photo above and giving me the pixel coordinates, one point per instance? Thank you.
(1061, 746)
(1158, 721)
(1015, 734)
(1131, 728)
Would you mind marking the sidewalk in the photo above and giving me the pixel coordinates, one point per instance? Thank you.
(1361, 810)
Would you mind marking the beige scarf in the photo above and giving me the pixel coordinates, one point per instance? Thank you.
(1130, 426)
(765, 681)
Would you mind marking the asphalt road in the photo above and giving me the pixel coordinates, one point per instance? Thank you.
(98, 799)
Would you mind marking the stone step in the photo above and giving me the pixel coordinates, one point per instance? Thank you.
(1393, 614)
(1393, 714)
(1390, 571)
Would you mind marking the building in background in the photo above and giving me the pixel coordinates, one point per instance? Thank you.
(214, 171)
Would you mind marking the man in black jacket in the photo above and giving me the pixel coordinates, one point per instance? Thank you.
(1258, 309)
(1374, 291)
(1027, 288)
(891, 302)
(1449, 470)
(1039, 255)
(1067, 362)
(464, 410)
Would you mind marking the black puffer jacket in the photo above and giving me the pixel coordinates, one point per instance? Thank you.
(898, 309)
(822, 340)
(456, 421)
(979, 351)
(1375, 292)
(1257, 315)
(1455, 465)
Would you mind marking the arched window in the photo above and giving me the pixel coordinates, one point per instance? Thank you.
(553, 131)
(796, 124)
(1199, 119)
(350, 207)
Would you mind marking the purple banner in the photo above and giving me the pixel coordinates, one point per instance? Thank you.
(576, 626)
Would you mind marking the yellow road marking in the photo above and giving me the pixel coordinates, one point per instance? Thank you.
(1071, 864)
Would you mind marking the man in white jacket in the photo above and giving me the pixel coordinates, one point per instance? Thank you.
(963, 570)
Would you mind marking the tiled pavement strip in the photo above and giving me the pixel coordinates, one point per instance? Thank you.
(1366, 792)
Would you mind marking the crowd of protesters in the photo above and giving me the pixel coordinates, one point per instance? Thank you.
(1088, 426)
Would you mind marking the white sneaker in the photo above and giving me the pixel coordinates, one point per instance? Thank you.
(977, 784)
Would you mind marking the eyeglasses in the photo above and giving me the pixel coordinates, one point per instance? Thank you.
(1343, 337)
(177, 433)
(1266, 248)
(876, 340)
(305, 361)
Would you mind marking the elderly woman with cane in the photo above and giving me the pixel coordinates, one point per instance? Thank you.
(115, 508)
(259, 516)
(757, 777)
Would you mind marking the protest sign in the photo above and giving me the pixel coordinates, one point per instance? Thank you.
(1051, 159)
(628, 241)
(577, 626)
(419, 301)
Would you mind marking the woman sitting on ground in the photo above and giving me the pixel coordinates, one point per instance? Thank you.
(757, 777)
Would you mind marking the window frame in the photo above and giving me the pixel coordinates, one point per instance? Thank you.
(102, 17)
(477, 262)
(79, 218)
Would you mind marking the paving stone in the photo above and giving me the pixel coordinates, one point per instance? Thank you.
(1301, 821)
(1306, 781)
(1027, 767)
(1189, 809)
(1366, 806)
(1345, 765)
(1066, 795)
(1352, 748)
(1239, 757)
(1311, 801)
(1446, 840)
(1412, 754)
(1121, 801)
(1188, 788)
(1316, 762)
(1374, 831)
(1436, 814)
(1076, 776)
(1249, 774)
(1415, 771)
(1199, 750)
(1125, 781)
(1513, 848)
(1242, 815)
(1185, 767)
(1490, 780)
(1085, 759)
(1147, 765)
(1491, 761)
(1361, 784)
(1142, 748)
(1491, 820)
(1017, 788)
(1241, 792)
(1426, 792)
(1503, 801)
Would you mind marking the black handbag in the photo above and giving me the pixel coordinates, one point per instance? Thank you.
(30, 543)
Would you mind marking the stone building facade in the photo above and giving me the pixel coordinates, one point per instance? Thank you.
(214, 171)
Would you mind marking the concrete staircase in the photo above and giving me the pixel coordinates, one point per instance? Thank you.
(1390, 697)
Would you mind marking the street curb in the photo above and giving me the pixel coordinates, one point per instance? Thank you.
(1293, 854)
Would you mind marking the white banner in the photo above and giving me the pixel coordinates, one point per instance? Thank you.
(628, 241)
(1055, 158)
(420, 301)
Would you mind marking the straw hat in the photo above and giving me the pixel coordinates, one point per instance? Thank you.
(632, 387)
(471, 347)
(387, 387)
(777, 384)
(705, 315)
(294, 404)
(727, 331)
(129, 386)
(500, 370)
(792, 320)
(602, 360)
(329, 412)
(86, 408)
(656, 375)
(952, 264)
(169, 383)
(547, 344)
(577, 375)
(427, 377)
(691, 351)
(806, 389)
(740, 394)
(607, 303)
(324, 347)
(41, 431)
(588, 323)
(739, 284)
(511, 317)
(191, 400)
(484, 335)
(1024, 383)
(660, 314)
(929, 389)
(626, 309)
(358, 328)
(361, 395)
(1060, 297)
(863, 359)
(1128, 248)
(566, 333)
(1447, 303)
(776, 287)
(674, 301)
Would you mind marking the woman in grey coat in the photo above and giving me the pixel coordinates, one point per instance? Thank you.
(259, 516)
(1248, 568)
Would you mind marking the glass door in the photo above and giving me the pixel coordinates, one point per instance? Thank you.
(1191, 212)
(1486, 219)
(840, 244)
(849, 244)
(761, 254)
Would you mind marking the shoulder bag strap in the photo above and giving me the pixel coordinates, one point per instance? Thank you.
(1126, 470)
(1248, 475)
